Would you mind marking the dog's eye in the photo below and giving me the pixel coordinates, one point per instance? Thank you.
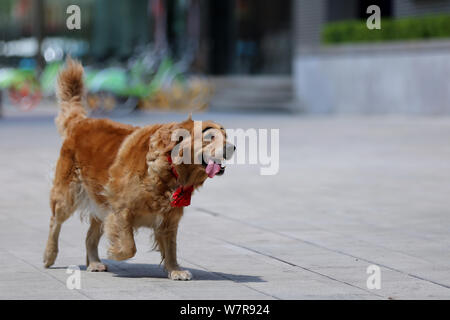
(209, 136)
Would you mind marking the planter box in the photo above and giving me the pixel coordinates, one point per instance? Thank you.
(402, 78)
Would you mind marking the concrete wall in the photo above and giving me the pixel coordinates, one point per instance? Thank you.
(409, 78)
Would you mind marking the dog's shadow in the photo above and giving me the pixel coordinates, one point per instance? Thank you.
(144, 270)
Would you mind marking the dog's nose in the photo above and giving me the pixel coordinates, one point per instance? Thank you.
(228, 150)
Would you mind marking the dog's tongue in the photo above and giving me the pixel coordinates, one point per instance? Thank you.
(212, 168)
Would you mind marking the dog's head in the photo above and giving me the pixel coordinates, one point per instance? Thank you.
(197, 149)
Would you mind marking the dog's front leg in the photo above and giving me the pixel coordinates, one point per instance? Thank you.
(119, 229)
(167, 243)
(170, 258)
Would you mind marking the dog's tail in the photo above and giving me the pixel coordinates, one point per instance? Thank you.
(70, 95)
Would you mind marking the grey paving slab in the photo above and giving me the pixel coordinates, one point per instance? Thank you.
(350, 192)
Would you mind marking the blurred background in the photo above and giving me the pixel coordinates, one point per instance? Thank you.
(289, 56)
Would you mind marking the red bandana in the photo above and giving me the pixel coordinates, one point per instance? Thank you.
(182, 195)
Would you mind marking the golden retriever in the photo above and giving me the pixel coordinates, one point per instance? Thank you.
(125, 177)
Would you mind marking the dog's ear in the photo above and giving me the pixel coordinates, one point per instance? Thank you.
(188, 123)
(161, 143)
(166, 140)
(163, 140)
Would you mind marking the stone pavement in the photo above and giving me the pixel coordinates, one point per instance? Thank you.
(351, 192)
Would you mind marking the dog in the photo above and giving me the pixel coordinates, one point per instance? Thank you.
(125, 177)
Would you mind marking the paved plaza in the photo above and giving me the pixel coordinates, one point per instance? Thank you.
(351, 192)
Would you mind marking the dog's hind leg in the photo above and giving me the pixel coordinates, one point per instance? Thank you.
(62, 209)
(93, 236)
(51, 250)
(62, 203)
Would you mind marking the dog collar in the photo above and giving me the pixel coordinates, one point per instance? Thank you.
(181, 197)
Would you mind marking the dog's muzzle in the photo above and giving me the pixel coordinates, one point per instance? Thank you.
(228, 151)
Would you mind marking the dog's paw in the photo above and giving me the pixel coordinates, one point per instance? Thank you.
(97, 267)
(50, 257)
(180, 275)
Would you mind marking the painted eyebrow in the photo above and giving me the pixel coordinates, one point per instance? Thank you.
(207, 128)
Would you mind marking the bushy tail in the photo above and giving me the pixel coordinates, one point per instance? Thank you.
(70, 95)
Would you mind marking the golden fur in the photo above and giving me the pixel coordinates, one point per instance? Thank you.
(119, 175)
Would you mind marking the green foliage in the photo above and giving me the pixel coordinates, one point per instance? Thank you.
(413, 28)
(15, 78)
